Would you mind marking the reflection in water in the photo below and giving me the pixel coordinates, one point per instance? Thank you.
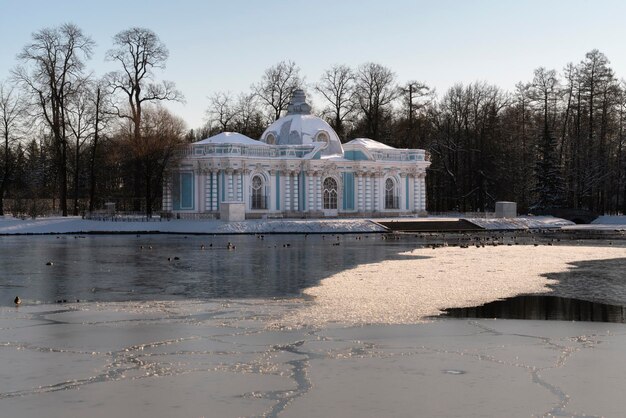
(543, 307)
(127, 267)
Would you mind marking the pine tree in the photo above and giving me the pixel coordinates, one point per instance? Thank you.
(549, 189)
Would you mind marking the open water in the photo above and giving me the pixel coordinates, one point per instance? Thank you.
(114, 268)
(105, 268)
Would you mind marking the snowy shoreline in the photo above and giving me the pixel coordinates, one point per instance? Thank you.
(77, 225)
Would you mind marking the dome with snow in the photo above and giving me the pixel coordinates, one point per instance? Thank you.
(232, 138)
(299, 127)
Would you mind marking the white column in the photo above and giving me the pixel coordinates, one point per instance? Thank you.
(401, 192)
(415, 193)
(296, 182)
(239, 194)
(197, 192)
(214, 190)
(271, 191)
(375, 197)
(207, 192)
(287, 191)
(310, 192)
(368, 193)
(229, 186)
(318, 194)
(422, 182)
(359, 192)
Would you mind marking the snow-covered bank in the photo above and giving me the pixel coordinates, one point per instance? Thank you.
(610, 220)
(602, 223)
(77, 225)
(521, 222)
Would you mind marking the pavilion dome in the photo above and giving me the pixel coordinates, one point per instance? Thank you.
(299, 127)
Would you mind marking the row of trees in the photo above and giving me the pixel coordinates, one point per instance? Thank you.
(555, 141)
(72, 137)
(361, 101)
(76, 140)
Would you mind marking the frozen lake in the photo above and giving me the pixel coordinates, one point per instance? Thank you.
(210, 334)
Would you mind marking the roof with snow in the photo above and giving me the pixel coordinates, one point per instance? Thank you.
(368, 143)
(229, 138)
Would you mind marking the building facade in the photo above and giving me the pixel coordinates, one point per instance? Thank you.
(299, 168)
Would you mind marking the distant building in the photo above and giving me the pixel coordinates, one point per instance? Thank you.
(298, 168)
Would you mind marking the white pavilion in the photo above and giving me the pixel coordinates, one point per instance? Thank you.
(299, 168)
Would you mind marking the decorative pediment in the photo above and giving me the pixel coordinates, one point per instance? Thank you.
(330, 169)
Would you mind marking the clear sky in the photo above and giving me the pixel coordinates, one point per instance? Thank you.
(226, 45)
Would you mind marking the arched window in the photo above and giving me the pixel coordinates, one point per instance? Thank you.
(322, 136)
(258, 200)
(270, 139)
(330, 193)
(391, 198)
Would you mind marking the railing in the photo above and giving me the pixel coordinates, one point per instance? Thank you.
(297, 151)
(399, 155)
(104, 215)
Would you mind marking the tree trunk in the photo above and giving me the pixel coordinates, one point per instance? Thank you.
(63, 175)
(92, 162)
(5, 174)
(148, 181)
(76, 167)
(138, 157)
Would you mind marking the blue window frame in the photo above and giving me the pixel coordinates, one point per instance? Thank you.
(183, 191)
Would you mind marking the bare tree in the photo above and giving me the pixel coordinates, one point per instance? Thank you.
(100, 119)
(596, 82)
(139, 51)
(80, 122)
(337, 86)
(544, 91)
(248, 118)
(415, 96)
(277, 86)
(163, 133)
(52, 65)
(222, 111)
(549, 185)
(375, 91)
(11, 112)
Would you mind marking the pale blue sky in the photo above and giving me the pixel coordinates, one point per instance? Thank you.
(226, 45)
